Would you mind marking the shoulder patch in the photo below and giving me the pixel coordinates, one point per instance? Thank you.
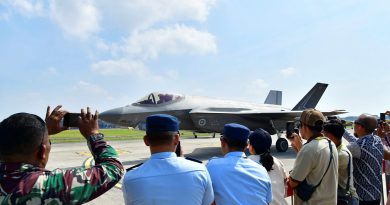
(193, 159)
(213, 158)
(133, 167)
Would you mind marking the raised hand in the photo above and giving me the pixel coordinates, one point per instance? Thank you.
(53, 120)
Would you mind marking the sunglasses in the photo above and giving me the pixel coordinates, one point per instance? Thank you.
(357, 122)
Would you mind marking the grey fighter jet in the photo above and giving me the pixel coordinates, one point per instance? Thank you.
(202, 114)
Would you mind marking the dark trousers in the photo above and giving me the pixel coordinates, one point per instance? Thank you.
(376, 202)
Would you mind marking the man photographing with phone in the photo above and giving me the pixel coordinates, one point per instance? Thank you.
(24, 152)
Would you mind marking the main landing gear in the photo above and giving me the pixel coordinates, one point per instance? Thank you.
(281, 143)
(196, 136)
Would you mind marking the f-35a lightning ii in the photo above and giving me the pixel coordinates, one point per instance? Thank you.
(202, 114)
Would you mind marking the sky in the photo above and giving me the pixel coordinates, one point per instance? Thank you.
(106, 54)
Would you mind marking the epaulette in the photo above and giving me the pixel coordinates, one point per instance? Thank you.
(213, 158)
(133, 167)
(192, 159)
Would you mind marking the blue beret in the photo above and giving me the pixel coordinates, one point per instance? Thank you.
(260, 140)
(161, 123)
(236, 132)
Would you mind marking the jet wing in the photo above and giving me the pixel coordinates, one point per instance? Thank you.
(245, 112)
(212, 119)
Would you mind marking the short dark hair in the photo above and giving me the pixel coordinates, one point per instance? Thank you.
(21, 133)
(160, 137)
(236, 144)
(335, 127)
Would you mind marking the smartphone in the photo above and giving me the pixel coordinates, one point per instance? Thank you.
(71, 120)
(382, 116)
(290, 129)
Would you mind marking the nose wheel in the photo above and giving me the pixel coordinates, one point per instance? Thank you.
(281, 145)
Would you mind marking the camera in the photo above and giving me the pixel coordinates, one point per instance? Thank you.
(71, 120)
(291, 128)
(382, 118)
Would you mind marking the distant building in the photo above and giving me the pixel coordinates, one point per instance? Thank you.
(106, 125)
(141, 125)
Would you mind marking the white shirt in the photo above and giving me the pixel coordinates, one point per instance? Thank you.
(278, 177)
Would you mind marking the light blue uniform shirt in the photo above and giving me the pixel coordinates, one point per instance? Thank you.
(166, 179)
(239, 181)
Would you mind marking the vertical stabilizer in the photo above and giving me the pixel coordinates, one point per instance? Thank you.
(274, 97)
(312, 97)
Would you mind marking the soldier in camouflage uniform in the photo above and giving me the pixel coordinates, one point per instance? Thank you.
(24, 152)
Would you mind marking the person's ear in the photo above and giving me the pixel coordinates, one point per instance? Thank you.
(146, 141)
(250, 148)
(42, 152)
(223, 143)
(176, 140)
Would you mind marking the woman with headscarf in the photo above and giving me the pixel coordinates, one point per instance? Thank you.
(259, 146)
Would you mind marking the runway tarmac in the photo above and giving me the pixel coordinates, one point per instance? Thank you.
(132, 152)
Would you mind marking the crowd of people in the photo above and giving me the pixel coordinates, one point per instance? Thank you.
(326, 171)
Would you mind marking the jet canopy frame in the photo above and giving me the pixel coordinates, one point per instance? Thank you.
(158, 98)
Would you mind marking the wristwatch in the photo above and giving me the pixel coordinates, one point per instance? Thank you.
(96, 137)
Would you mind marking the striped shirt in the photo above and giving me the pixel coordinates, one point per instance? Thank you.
(367, 153)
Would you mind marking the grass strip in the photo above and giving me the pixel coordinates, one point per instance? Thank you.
(111, 135)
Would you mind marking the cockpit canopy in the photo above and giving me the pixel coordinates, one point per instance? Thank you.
(157, 98)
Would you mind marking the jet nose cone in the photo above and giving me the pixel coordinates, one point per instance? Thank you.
(111, 116)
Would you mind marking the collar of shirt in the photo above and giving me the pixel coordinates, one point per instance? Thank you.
(17, 167)
(163, 155)
(235, 154)
(15, 171)
(366, 136)
(320, 137)
(340, 146)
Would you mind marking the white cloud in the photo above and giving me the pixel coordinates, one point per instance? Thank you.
(287, 72)
(78, 18)
(4, 16)
(103, 46)
(172, 74)
(178, 39)
(51, 71)
(122, 67)
(256, 87)
(28, 7)
(91, 94)
(134, 15)
(89, 88)
(259, 83)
